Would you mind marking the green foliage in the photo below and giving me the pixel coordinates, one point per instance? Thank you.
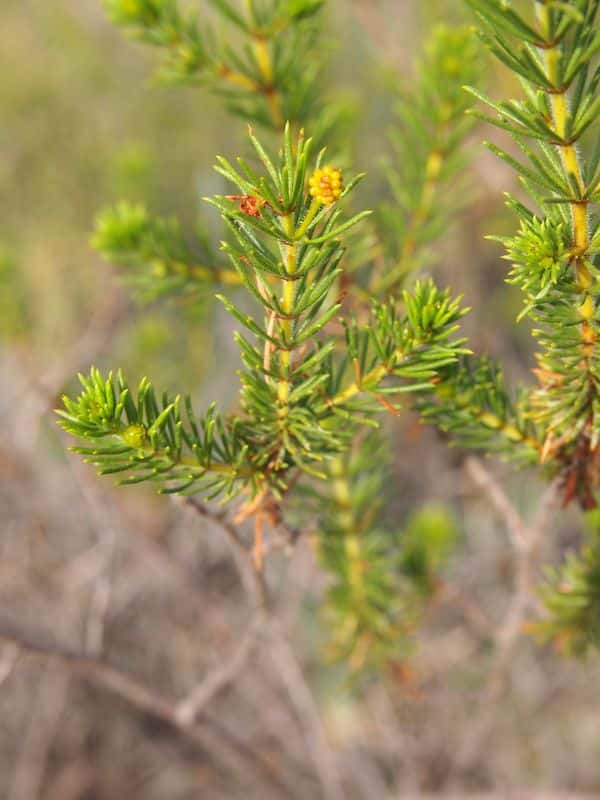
(264, 61)
(412, 341)
(148, 439)
(162, 24)
(472, 404)
(133, 171)
(429, 157)
(316, 368)
(368, 611)
(429, 538)
(540, 259)
(571, 595)
(373, 605)
(510, 36)
(297, 398)
(553, 263)
(552, 252)
(160, 261)
(305, 393)
(382, 579)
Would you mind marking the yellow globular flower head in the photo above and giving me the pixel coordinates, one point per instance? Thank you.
(326, 185)
(134, 435)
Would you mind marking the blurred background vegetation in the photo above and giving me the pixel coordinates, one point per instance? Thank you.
(83, 126)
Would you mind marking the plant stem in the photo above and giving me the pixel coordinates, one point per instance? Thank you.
(579, 211)
(145, 698)
(237, 79)
(346, 534)
(223, 469)
(265, 65)
(191, 461)
(372, 378)
(349, 525)
(492, 421)
(310, 215)
(199, 272)
(487, 418)
(433, 168)
(287, 305)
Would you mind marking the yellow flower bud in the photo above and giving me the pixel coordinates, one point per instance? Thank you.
(586, 309)
(134, 436)
(326, 185)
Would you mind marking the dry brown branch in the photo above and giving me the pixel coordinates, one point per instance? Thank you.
(74, 782)
(288, 668)
(8, 660)
(103, 555)
(525, 540)
(253, 580)
(48, 707)
(301, 696)
(484, 479)
(523, 595)
(216, 681)
(204, 731)
(471, 612)
(189, 708)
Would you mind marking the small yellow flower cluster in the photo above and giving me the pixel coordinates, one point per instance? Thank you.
(326, 185)
(134, 435)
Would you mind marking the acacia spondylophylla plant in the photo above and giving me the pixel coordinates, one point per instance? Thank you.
(340, 332)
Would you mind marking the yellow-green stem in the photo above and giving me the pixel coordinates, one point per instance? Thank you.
(310, 215)
(190, 461)
(249, 5)
(287, 306)
(197, 271)
(371, 379)
(223, 469)
(239, 80)
(495, 423)
(265, 65)
(433, 168)
(571, 165)
(487, 418)
(137, 439)
(348, 524)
